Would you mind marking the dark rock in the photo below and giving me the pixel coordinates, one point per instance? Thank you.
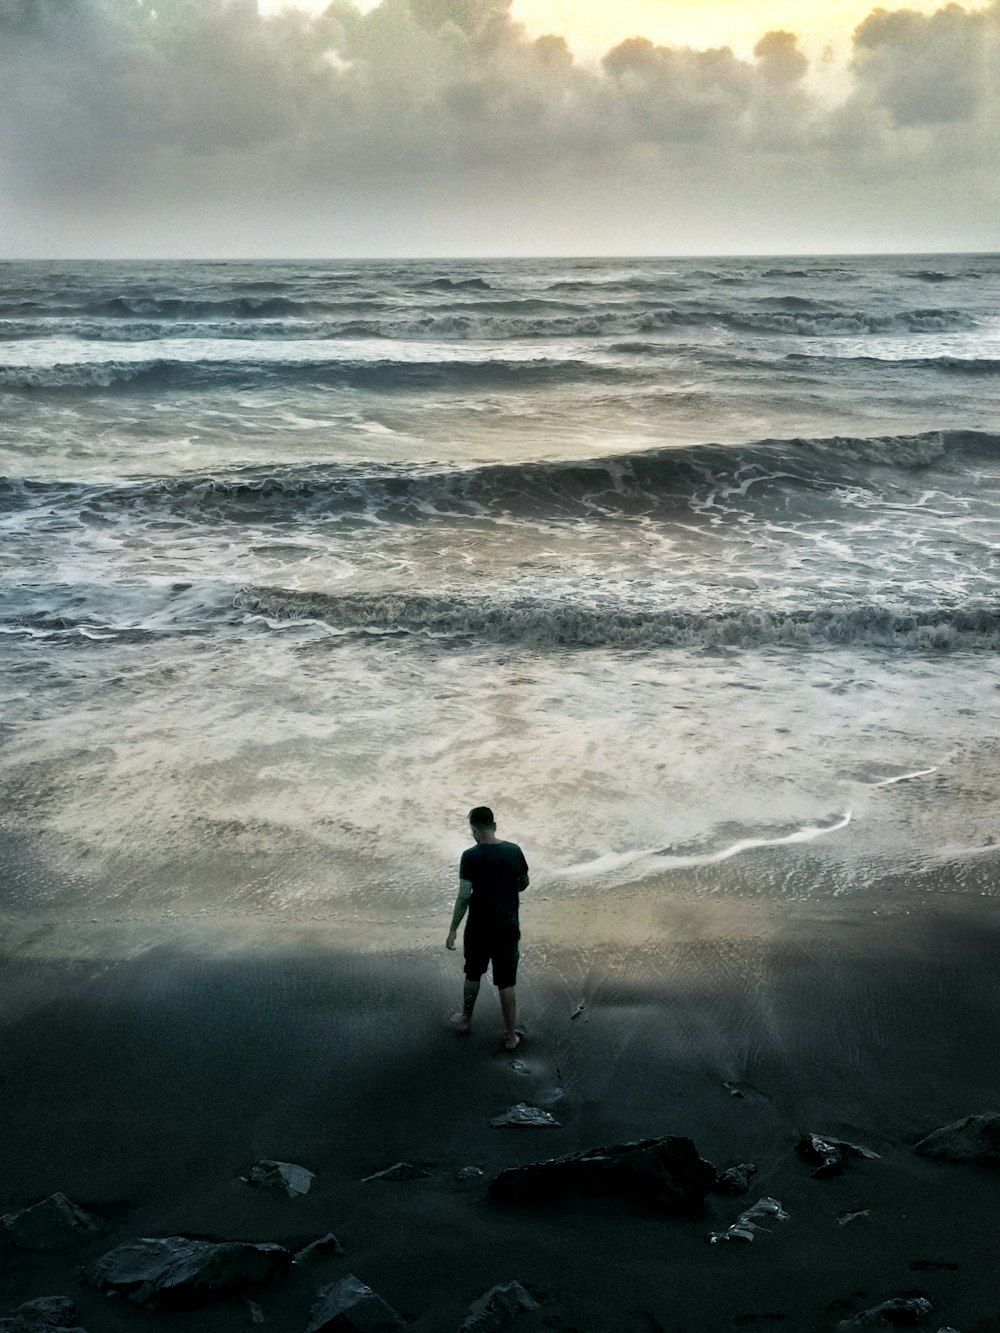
(526, 1117)
(735, 1179)
(899, 1313)
(830, 1154)
(54, 1224)
(328, 1244)
(974, 1139)
(497, 1308)
(283, 1176)
(749, 1223)
(400, 1171)
(177, 1271)
(348, 1306)
(254, 1313)
(46, 1312)
(666, 1171)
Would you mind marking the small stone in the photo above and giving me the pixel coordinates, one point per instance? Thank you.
(54, 1224)
(328, 1244)
(254, 1313)
(976, 1138)
(830, 1154)
(466, 1173)
(497, 1308)
(286, 1177)
(176, 1271)
(399, 1171)
(748, 1224)
(735, 1179)
(524, 1116)
(348, 1306)
(899, 1313)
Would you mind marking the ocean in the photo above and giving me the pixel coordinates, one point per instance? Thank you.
(686, 567)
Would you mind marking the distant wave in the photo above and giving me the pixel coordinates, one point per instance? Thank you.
(561, 623)
(635, 283)
(953, 365)
(385, 375)
(812, 322)
(935, 275)
(465, 318)
(164, 307)
(451, 284)
(642, 482)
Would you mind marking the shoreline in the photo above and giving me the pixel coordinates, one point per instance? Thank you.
(567, 913)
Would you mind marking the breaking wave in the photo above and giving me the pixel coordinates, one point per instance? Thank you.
(385, 375)
(955, 365)
(551, 623)
(463, 319)
(638, 483)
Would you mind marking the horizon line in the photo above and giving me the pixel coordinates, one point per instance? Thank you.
(486, 258)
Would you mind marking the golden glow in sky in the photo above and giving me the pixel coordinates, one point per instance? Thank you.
(593, 26)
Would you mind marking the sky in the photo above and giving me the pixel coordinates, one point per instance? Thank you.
(209, 128)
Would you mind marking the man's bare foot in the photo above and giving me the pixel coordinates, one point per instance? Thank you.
(511, 1041)
(459, 1022)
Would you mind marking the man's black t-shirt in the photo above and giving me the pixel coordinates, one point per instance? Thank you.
(497, 872)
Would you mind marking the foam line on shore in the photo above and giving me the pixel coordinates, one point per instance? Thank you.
(905, 777)
(659, 858)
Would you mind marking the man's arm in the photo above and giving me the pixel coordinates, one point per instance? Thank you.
(461, 903)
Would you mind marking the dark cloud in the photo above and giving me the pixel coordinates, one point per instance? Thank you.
(187, 125)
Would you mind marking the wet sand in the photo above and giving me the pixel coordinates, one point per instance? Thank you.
(143, 1087)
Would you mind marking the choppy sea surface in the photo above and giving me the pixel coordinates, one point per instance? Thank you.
(688, 568)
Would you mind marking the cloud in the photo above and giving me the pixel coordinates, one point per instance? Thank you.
(932, 69)
(194, 125)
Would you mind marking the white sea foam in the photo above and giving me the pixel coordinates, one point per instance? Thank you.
(655, 860)
(904, 777)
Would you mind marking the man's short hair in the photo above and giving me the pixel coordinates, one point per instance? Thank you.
(481, 816)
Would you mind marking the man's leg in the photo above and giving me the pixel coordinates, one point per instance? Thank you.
(462, 1021)
(475, 965)
(509, 1009)
(469, 994)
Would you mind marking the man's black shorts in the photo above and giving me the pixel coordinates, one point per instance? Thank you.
(500, 947)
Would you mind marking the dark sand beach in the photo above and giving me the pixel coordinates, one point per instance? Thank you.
(143, 1087)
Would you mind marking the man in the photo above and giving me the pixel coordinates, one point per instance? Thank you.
(490, 877)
